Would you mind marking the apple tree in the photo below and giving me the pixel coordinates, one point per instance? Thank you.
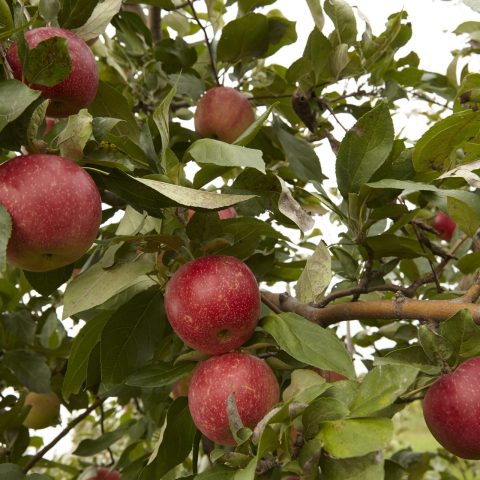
(171, 300)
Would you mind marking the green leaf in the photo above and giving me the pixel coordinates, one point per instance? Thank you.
(74, 13)
(364, 149)
(96, 285)
(343, 18)
(435, 346)
(316, 275)
(110, 103)
(301, 338)
(49, 10)
(46, 283)
(73, 138)
(131, 335)
(381, 387)
(89, 446)
(289, 207)
(463, 334)
(6, 20)
(159, 375)
(5, 232)
(281, 32)
(30, 369)
(82, 347)
(300, 155)
(251, 132)
(411, 356)
(15, 97)
(99, 19)
(322, 410)
(368, 467)
(356, 437)
(176, 443)
(214, 152)
(161, 118)
(48, 63)
(10, 471)
(317, 13)
(469, 263)
(433, 149)
(389, 245)
(248, 5)
(245, 37)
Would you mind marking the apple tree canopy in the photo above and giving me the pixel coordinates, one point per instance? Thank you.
(363, 236)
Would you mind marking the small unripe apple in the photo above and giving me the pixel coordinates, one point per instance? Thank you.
(106, 474)
(224, 113)
(44, 411)
(444, 225)
(55, 208)
(214, 380)
(451, 408)
(80, 87)
(213, 303)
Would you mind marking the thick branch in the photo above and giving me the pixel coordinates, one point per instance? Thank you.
(155, 23)
(472, 294)
(399, 308)
(207, 41)
(40, 454)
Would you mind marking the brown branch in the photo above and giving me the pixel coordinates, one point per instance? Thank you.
(40, 454)
(154, 23)
(207, 41)
(399, 308)
(272, 306)
(472, 294)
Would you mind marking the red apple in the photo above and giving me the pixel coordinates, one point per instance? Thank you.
(44, 411)
(224, 214)
(223, 113)
(106, 474)
(329, 375)
(55, 208)
(451, 409)
(444, 225)
(251, 379)
(79, 88)
(213, 303)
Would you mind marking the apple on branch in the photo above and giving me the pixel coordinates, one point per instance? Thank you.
(451, 408)
(213, 303)
(75, 92)
(104, 473)
(444, 225)
(252, 381)
(44, 410)
(224, 113)
(55, 207)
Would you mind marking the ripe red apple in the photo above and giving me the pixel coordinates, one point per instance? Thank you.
(79, 88)
(106, 474)
(213, 303)
(251, 379)
(223, 113)
(451, 409)
(444, 225)
(55, 208)
(44, 411)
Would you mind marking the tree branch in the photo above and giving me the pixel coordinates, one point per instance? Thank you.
(40, 454)
(472, 294)
(399, 308)
(154, 21)
(207, 41)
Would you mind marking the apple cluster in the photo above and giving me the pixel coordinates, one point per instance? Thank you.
(54, 204)
(213, 305)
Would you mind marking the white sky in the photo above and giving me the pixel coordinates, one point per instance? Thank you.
(432, 22)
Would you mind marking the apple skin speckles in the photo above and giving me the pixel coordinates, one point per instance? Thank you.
(55, 207)
(213, 303)
(251, 379)
(451, 408)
